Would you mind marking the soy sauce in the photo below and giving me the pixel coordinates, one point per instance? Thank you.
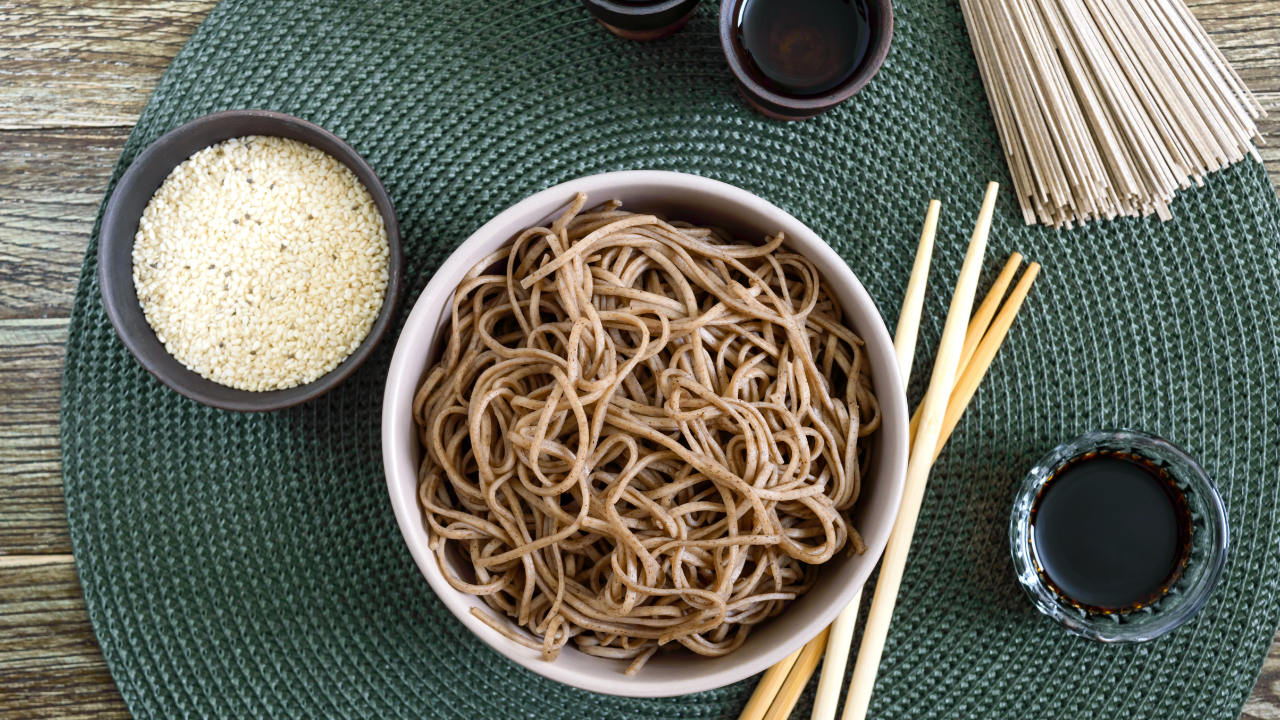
(803, 47)
(1112, 532)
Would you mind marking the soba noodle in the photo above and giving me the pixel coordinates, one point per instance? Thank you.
(642, 432)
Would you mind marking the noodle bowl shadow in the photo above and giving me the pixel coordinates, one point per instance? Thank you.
(699, 200)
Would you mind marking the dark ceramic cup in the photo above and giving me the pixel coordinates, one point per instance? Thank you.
(768, 99)
(639, 20)
(120, 224)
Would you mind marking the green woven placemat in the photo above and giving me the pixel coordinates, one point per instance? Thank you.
(249, 566)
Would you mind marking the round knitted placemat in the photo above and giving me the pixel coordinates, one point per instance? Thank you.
(249, 566)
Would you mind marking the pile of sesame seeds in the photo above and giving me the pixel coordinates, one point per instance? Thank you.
(261, 263)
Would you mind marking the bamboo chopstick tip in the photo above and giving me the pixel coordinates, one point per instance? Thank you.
(987, 210)
(931, 220)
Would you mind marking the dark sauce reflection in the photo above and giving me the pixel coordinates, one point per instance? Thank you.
(1112, 532)
(803, 47)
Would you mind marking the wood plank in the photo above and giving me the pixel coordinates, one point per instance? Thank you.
(50, 662)
(1264, 703)
(14, 561)
(1269, 127)
(87, 63)
(32, 516)
(51, 183)
(1248, 33)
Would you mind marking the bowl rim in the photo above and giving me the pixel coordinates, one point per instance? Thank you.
(797, 106)
(399, 431)
(181, 379)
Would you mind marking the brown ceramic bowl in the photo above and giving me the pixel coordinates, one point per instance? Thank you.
(638, 20)
(120, 225)
(785, 106)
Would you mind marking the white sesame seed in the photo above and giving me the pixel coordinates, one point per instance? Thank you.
(261, 285)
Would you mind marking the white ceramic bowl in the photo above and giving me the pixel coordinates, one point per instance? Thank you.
(696, 199)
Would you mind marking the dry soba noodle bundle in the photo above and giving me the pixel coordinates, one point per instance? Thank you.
(642, 432)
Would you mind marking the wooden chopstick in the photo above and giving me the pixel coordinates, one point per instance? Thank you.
(984, 348)
(968, 383)
(767, 689)
(987, 337)
(978, 326)
(983, 338)
(904, 337)
(935, 406)
(981, 361)
(982, 318)
(904, 346)
(799, 676)
(835, 661)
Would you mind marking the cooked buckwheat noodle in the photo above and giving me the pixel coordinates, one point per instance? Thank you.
(642, 432)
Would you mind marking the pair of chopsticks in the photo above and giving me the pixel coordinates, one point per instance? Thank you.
(965, 353)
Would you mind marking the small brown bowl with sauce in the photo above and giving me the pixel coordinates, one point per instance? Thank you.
(642, 19)
(794, 59)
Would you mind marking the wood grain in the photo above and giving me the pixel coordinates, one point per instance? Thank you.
(33, 519)
(1264, 703)
(51, 183)
(50, 662)
(74, 75)
(72, 63)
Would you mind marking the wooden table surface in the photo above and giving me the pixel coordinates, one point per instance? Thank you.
(74, 76)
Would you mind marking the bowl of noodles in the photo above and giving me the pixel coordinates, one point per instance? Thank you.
(644, 434)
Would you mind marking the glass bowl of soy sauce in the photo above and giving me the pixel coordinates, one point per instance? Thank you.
(1119, 536)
